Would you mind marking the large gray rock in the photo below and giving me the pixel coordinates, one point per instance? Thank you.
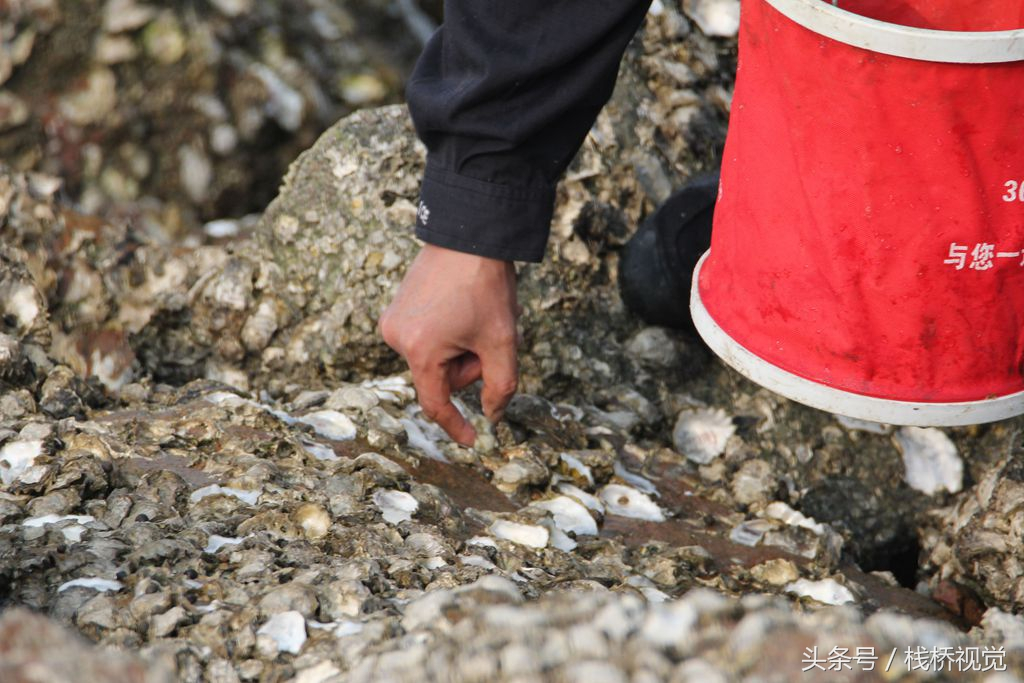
(35, 649)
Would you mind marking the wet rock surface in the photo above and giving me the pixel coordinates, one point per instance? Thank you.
(209, 459)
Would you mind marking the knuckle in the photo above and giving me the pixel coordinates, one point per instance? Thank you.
(505, 336)
(414, 337)
(388, 329)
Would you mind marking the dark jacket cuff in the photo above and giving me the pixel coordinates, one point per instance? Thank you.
(477, 217)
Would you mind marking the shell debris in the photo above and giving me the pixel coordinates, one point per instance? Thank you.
(330, 424)
(569, 515)
(931, 460)
(99, 585)
(247, 497)
(784, 513)
(391, 389)
(16, 457)
(313, 520)
(701, 435)
(287, 631)
(320, 451)
(72, 532)
(577, 466)
(828, 591)
(424, 436)
(216, 542)
(857, 425)
(395, 506)
(627, 501)
(750, 532)
(591, 501)
(529, 535)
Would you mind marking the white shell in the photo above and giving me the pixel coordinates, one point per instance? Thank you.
(221, 228)
(391, 389)
(559, 539)
(287, 630)
(701, 435)
(576, 465)
(330, 424)
(101, 585)
(55, 519)
(931, 460)
(634, 479)
(340, 629)
(320, 451)
(321, 672)
(629, 502)
(247, 497)
(856, 424)
(215, 543)
(715, 17)
(569, 515)
(477, 561)
(313, 519)
(828, 591)
(22, 304)
(72, 532)
(648, 588)
(782, 512)
(422, 435)
(524, 534)
(588, 499)
(750, 532)
(395, 506)
(16, 457)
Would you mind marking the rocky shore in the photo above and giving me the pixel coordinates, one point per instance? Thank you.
(211, 469)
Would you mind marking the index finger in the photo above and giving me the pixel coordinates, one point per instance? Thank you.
(500, 370)
(433, 391)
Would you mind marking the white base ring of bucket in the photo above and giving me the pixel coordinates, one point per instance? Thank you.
(960, 47)
(838, 401)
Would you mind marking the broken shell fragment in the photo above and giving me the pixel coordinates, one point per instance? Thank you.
(629, 502)
(285, 631)
(701, 435)
(313, 520)
(330, 424)
(931, 460)
(524, 534)
(395, 506)
(828, 591)
(569, 515)
(17, 457)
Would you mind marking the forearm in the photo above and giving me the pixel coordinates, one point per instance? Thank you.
(503, 96)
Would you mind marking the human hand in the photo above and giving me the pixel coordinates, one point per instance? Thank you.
(454, 321)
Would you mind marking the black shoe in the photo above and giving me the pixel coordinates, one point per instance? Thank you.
(658, 261)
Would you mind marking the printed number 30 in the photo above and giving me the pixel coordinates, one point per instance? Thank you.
(1014, 191)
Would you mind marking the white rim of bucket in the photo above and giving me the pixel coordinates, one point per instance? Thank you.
(956, 47)
(838, 401)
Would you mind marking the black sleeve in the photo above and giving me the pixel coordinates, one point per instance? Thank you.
(503, 96)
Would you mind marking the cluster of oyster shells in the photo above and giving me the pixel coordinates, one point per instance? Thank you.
(176, 117)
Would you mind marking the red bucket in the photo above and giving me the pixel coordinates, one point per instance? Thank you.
(867, 256)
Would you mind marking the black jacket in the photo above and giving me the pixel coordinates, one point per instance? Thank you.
(503, 96)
